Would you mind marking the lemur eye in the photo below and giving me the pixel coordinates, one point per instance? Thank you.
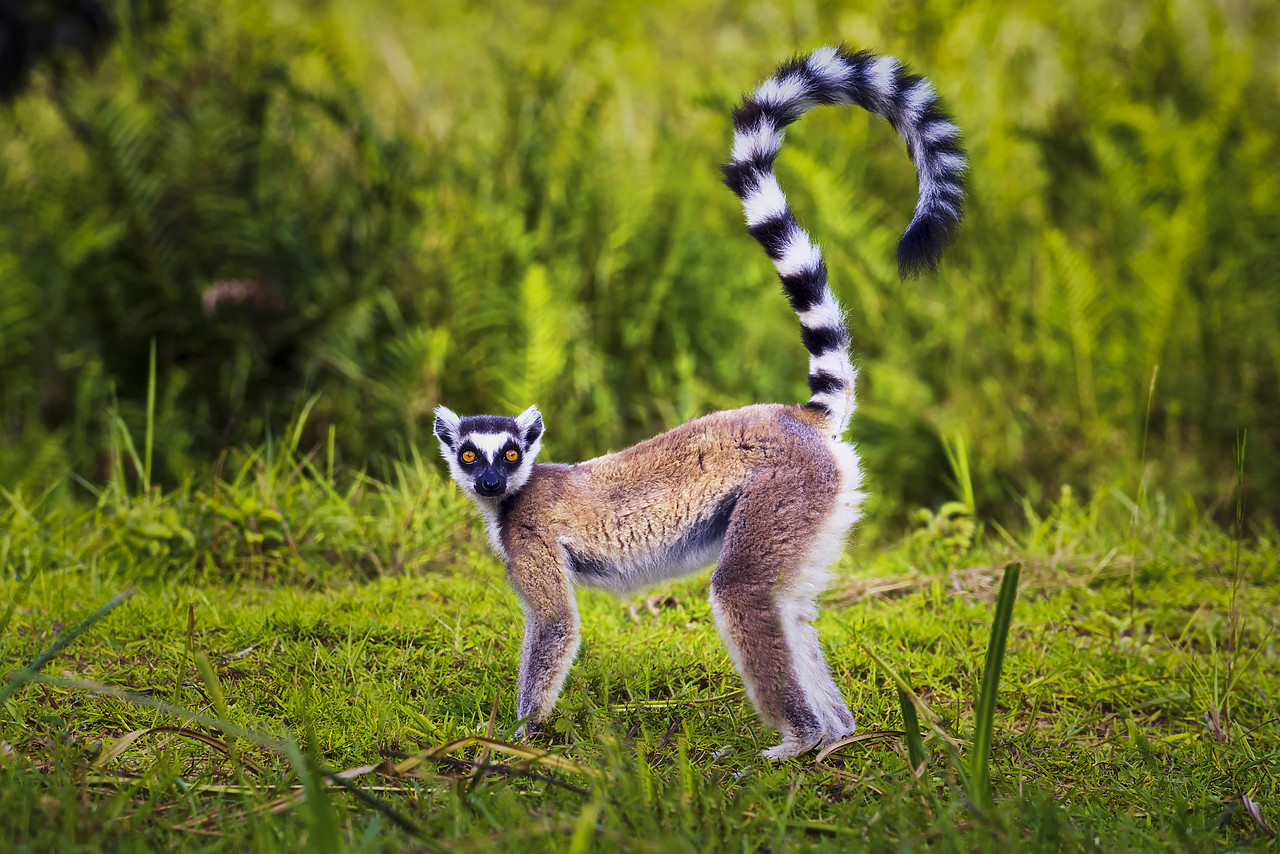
(468, 456)
(512, 455)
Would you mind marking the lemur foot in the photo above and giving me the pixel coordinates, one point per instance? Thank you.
(834, 734)
(791, 746)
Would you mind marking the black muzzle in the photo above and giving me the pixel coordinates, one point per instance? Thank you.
(490, 484)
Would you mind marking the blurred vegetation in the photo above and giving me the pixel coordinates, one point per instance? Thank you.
(370, 209)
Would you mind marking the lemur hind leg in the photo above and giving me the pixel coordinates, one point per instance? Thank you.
(833, 713)
(771, 567)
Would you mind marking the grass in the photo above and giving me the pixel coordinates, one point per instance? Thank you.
(331, 667)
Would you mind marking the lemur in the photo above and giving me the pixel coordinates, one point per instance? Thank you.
(769, 491)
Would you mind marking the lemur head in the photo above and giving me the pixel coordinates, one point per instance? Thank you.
(489, 456)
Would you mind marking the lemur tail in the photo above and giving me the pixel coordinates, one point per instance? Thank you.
(883, 86)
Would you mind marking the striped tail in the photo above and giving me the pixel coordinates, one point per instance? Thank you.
(878, 84)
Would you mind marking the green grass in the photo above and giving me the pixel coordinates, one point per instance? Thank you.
(365, 628)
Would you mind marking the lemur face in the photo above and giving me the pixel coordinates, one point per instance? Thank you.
(489, 456)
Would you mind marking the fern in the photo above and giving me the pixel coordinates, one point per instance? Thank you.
(541, 220)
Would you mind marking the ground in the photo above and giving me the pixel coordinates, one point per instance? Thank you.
(213, 707)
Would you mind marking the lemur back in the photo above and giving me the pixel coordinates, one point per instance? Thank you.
(768, 491)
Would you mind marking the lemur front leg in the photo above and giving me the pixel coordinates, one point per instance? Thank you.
(551, 636)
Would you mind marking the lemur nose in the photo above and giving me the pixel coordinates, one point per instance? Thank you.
(489, 484)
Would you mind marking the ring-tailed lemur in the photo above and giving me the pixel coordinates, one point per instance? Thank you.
(769, 491)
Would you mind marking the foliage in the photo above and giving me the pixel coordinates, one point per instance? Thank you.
(380, 208)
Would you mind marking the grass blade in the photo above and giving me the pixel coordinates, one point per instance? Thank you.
(149, 439)
(324, 831)
(859, 738)
(584, 828)
(931, 719)
(984, 714)
(7, 616)
(911, 730)
(958, 458)
(531, 755)
(118, 747)
(27, 673)
(903, 687)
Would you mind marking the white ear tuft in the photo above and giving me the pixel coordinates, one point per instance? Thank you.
(530, 424)
(447, 425)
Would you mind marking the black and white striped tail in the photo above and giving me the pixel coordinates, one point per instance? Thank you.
(883, 86)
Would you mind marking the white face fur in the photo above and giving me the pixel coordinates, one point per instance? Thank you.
(489, 456)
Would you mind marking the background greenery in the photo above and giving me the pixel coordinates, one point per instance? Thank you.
(376, 208)
(247, 251)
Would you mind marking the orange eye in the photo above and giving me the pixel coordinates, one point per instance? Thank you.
(468, 456)
(512, 455)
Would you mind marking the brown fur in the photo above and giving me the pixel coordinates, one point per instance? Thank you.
(650, 494)
(771, 471)
(780, 514)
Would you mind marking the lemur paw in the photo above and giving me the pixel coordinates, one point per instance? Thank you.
(834, 734)
(529, 731)
(791, 746)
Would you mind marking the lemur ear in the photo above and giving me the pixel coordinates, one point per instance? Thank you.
(447, 424)
(530, 424)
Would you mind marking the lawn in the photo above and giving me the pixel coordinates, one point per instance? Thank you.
(311, 663)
